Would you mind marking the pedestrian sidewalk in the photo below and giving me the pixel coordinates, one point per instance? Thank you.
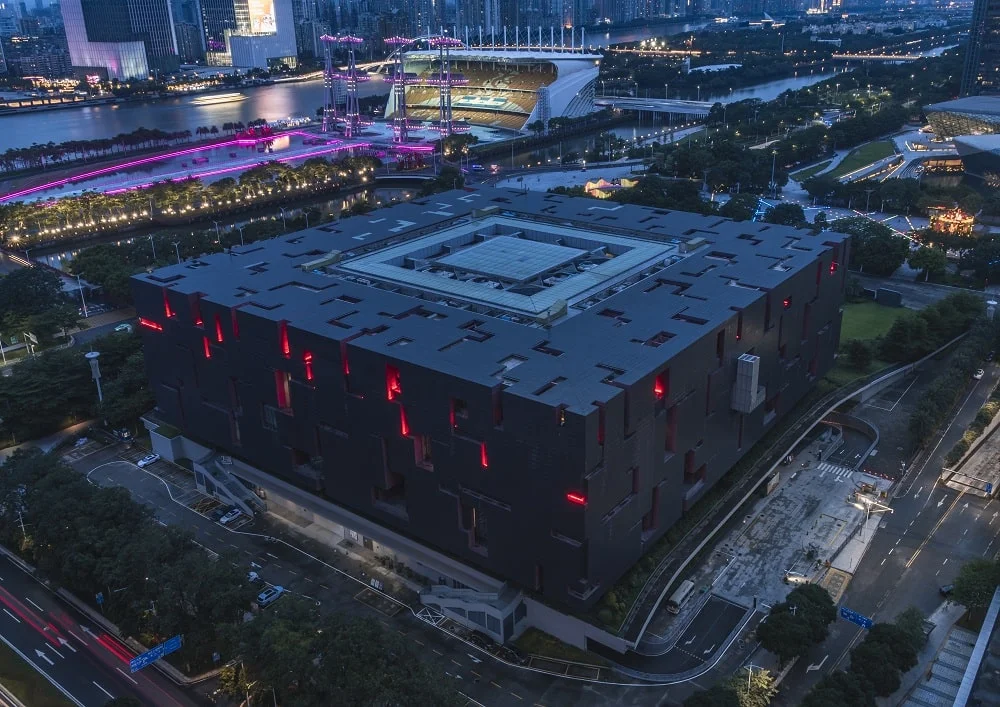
(934, 681)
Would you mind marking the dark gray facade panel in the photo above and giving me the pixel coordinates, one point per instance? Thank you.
(497, 426)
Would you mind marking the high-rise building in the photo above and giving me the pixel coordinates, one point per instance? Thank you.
(249, 33)
(120, 39)
(982, 59)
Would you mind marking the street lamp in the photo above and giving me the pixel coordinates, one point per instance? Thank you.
(666, 91)
(774, 187)
(218, 234)
(152, 245)
(284, 223)
(699, 93)
(79, 284)
(240, 229)
(177, 249)
(95, 372)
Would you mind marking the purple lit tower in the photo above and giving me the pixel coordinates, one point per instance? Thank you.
(399, 80)
(329, 80)
(445, 79)
(352, 77)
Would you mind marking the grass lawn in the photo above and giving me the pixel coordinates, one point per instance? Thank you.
(867, 320)
(540, 643)
(804, 174)
(862, 157)
(27, 685)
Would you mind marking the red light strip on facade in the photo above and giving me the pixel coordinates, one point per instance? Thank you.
(577, 498)
(166, 306)
(286, 348)
(393, 388)
(483, 459)
(150, 324)
(236, 326)
(658, 388)
(307, 359)
(404, 426)
(833, 267)
(206, 347)
(218, 328)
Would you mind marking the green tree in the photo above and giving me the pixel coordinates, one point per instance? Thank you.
(837, 690)
(859, 354)
(932, 261)
(786, 215)
(740, 207)
(876, 249)
(869, 663)
(754, 688)
(911, 622)
(975, 584)
(31, 300)
(104, 265)
(785, 634)
(127, 395)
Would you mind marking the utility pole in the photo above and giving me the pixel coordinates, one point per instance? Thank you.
(152, 244)
(95, 372)
(20, 521)
(177, 249)
(79, 283)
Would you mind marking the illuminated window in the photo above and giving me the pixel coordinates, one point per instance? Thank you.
(660, 387)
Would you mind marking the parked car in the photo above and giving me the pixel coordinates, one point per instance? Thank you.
(126, 327)
(253, 577)
(269, 596)
(978, 375)
(229, 517)
(946, 590)
(147, 460)
(217, 513)
(80, 442)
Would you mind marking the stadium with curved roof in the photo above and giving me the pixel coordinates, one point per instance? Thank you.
(500, 88)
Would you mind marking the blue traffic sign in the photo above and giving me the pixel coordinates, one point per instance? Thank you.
(154, 654)
(989, 487)
(856, 618)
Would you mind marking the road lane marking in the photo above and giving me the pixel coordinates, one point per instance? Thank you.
(475, 673)
(102, 689)
(418, 642)
(437, 651)
(270, 555)
(28, 599)
(883, 562)
(76, 637)
(12, 616)
(56, 652)
(516, 695)
(937, 525)
(127, 676)
(456, 662)
(945, 561)
(44, 657)
(494, 684)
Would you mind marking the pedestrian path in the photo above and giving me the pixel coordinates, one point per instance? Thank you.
(840, 473)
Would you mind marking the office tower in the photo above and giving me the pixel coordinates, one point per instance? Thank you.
(249, 33)
(982, 59)
(103, 41)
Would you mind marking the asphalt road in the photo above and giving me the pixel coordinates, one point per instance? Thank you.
(918, 548)
(86, 664)
(474, 674)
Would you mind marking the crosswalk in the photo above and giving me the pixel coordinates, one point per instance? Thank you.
(841, 473)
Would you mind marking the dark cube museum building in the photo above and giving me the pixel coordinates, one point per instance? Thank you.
(535, 385)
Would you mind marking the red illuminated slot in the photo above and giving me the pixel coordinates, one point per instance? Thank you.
(393, 387)
(404, 427)
(206, 347)
(218, 328)
(577, 498)
(150, 324)
(658, 389)
(483, 459)
(166, 306)
(307, 359)
(833, 267)
(286, 348)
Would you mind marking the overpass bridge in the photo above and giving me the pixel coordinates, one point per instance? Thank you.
(654, 105)
(881, 58)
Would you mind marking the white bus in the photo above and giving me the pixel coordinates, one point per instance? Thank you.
(678, 598)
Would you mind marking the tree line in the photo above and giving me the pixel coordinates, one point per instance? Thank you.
(172, 202)
(157, 582)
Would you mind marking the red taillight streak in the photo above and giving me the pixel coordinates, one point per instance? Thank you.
(27, 615)
(150, 324)
(114, 648)
(577, 499)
